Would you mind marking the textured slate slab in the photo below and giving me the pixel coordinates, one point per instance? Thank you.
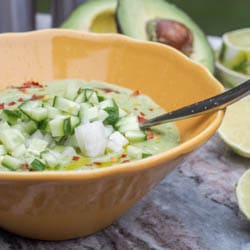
(193, 208)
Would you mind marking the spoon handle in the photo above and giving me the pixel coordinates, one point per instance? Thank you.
(211, 104)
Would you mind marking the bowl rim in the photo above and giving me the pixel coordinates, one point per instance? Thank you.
(123, 168)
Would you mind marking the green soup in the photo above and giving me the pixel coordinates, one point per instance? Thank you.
(77, 125)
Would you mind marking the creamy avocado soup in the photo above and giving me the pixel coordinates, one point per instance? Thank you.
(77, 125)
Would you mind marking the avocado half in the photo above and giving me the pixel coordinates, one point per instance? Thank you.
(94, 16)
(131, 17)
(134, 15)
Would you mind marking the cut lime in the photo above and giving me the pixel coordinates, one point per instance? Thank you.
(235, 50)
(243, 193)
(235, 128)
(238, 38)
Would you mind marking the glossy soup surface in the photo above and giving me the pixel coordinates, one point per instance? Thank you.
(157, 139)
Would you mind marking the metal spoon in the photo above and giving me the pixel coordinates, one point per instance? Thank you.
(214, 103)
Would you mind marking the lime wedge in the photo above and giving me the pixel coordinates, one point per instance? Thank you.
(235, 128)
(239, 38)
(235, 50)
(243, 193)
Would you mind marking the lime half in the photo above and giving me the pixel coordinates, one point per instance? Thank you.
(235, 128)
(243, 193)
(235, 51)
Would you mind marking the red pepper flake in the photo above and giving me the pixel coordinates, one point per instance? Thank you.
(75, 158)
(24, 91)
(11, 103)
(151, 109)
(150, 135)
(27, 85)
(97, 163)
(37, 84)
(1, 106)
(30, 84)
(142, 114)
(88, 164)
(37, 97)
(108, 90)
(25, 166)
(21, 99)
(125, 161)
(141, 119)
(136, 93)
(123, 155)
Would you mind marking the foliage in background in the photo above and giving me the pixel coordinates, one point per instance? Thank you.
(215, 16)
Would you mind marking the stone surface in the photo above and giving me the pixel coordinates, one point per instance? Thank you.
(193, 208)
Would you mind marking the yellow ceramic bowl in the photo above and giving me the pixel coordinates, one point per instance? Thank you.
(64, 205)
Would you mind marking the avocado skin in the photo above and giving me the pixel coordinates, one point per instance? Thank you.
(207, 59)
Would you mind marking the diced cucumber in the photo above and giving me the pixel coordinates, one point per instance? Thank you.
(60, 126)
(103, 115)
(58, 149)
(128, 123)
(50, 158)
(48, 138)
(37, 165)
(135, 135)
(114, 146)
(29, 127)
(37, 135)
(44, 126)
(100, 98)
(83, 109)
(4, 125)
(71, 141)
(19, 151)
(53, 112)
(134, 152)
(108, 130)
(3, 150)
(72, 90)
(34, 110)
(92, 114)
(36, 146)
(118, 138)
(74, 122)
(87, 95)
(80, 98)
(37, 114)
(122, 113)
(66, 156)
(11, 138)
(91, 96)
(113, 114)
(11, 116)
(11, 163)
(31, 104)
(117, 141)
(106, 103)
(65, 105)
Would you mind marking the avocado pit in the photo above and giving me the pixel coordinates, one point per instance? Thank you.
(171, 33)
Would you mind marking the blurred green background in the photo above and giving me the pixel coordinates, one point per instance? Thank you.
(214, 16)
